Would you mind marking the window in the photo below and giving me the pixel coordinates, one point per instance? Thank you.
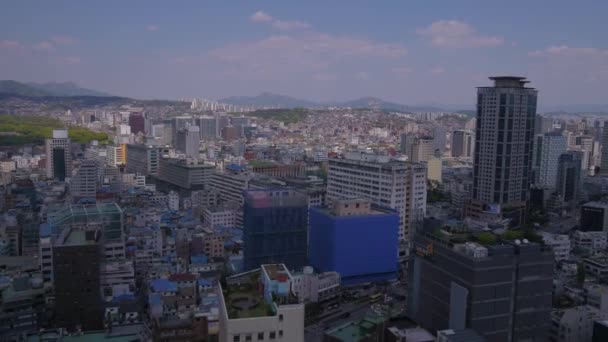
(260, 336)
(248, 337)
(272, 335)
(280, 333)
(281, 318)
(236, 338)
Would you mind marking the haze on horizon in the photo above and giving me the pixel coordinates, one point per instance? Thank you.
(430, 52)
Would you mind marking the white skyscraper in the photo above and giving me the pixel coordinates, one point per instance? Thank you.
(548, 148)
(396, 184)
(503, 149)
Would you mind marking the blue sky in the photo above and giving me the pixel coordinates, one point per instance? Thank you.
(413, 52)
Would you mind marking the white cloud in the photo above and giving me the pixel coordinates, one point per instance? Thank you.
(10, 44)
(456, 34)
(438, 70)
(152, 27)
(44, 46)
(401, 70)
(290, 25)
(564, 50)
(362, 75)
(324, 77)
(63, 40)
(260, 17)
(71, 60)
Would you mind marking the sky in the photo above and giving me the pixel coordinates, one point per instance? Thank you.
(412, 52)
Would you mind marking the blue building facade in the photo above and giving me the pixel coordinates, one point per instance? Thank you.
(275, 228)
(361, 247)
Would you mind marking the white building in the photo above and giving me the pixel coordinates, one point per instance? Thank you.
(574, 324)
(592, 242)
(224, 216)
(84, 183)
(311, 287)
(388, 182)
(173, 199)
(284, 322)
(559, 243)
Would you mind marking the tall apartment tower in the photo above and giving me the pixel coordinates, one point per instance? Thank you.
(58, 156)
(188, 141)
(406, 142)
(548, 148)
(384, 181)
(84, 183)
(462, 144)
(604, 161)
(275, 228)
(503, 149)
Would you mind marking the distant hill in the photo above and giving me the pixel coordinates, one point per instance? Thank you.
(17, 88)
(46, 89)
(269, 100)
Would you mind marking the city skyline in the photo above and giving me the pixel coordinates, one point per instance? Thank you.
(409, 53)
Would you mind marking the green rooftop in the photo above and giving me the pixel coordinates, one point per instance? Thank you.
(245, 300)
(366, 328)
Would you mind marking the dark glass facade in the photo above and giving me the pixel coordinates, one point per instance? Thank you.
(275, 228)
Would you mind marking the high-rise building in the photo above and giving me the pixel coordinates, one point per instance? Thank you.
(185, 174)
(188, 141)
(58, 156)
(230, 133)
(568, 177)
(503, 149)
(144, 159)
(434, 169)
(208, 127)
(275, 228)
(462, 144)
(116, 155)
(178, 123)
(543, 124)
(339, 233)
(137, 122)
(548, 148)
(84, 183)
(406, 142)
(439, 139)
(584, 143)
(423, 149)
(594, 216)
(604, 160)
(503, 291)
(76, 271)
(387, 182)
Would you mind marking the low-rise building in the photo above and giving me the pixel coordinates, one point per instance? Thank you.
(574, 324)
(590, 242)
(320, 287)
(559, 243)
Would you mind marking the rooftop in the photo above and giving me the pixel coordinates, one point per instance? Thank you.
(356, 330)
(245, 300)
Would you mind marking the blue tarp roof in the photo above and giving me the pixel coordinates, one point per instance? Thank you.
(199, 259)
(163, 285)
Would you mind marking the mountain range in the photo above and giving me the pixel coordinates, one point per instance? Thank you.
(282, 101)
(46, 89)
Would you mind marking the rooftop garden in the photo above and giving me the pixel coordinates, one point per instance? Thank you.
(245, 301)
